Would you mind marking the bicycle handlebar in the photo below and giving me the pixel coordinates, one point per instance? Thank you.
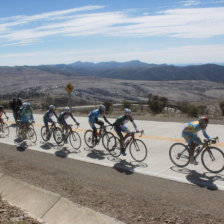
(211, 140)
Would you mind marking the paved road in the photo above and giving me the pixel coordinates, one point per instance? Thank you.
(159, 136)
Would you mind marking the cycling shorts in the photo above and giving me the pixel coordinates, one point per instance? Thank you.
(121, 128)
(191, 137)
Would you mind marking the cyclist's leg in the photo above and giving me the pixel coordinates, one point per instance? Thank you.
(47, 126)
(92, 125)
(189, 137)
(121, 137)
(100, 123)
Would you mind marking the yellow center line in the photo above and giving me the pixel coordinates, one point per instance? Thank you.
(170, 139)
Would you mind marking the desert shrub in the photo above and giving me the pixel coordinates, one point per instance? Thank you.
(126, 104)
(191, 109)
(108, 105)
(221, 105)
(156, 103)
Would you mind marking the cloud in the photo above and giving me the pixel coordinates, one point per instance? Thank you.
(177, 23)
(190, 3)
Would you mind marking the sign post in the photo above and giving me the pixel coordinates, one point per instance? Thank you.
(69, 88)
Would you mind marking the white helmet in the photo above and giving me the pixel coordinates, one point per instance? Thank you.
(127, 111)
(102, 108)
(28, 105)
(51, 107)
(67, 109)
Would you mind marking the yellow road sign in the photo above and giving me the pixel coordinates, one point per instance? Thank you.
(69, 88)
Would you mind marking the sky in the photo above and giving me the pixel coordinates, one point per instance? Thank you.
(36, 32)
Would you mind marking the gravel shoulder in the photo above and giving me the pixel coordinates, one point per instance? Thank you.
(124, 195)
(11, 214)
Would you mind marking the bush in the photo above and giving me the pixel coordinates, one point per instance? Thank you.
(126, 104)
(156, 103)
(191, 109)
(221, 105)
(108, 105)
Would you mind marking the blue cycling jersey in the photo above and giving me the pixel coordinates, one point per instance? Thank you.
(190, 132)
(94, 114)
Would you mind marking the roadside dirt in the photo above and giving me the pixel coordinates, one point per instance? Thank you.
(127, 196)
(11, 214)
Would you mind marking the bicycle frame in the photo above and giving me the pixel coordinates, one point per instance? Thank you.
(131, 138)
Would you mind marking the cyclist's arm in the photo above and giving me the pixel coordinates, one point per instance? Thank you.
(74, 119)
(104, 117)
(56, 115)
(5, 114)
(205, 134)
(135, 126)
(31, 115)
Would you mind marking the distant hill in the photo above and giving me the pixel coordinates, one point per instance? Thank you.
(132, 70)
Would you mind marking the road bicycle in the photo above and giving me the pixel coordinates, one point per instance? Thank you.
(26, 132)
(53, 130)
(102, 133)
(73, 136)
(137, 147)
(4, 128)
(212, 157)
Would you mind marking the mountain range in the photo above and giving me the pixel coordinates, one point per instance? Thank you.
(136, 70)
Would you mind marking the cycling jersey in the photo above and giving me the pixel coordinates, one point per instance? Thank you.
(48, 116)
(119, 125)
(190, 132)
(94, 114)
(122, 120)
(63, 116)
(26, 115)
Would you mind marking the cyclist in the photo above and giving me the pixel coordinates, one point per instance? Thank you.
(20, 110)
(93, 119)
(2, 111)
(190, 135)
(48, 118)
(119, 126)
(26, 115)
(62, 120)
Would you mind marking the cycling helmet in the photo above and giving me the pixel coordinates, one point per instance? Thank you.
(28, 105)
(203, 120)
(67, 109)
(102, 108)
(127, 111)
(52, 107)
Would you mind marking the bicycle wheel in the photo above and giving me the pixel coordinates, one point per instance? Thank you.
(18, 132)
(57, 134)
(75, 140)
(108, 136)
(44, 133)
(213, 159)
(89, 139)
(138, 150)
(32, 135)
(5, 129)
(179, 154)
(114, 146)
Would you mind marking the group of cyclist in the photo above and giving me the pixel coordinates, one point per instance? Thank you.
(189, 133)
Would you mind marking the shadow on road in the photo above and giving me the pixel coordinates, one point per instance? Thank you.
(97, 154)
(22, 147)
(63, 152)
(47, 145)
(205, 180)
(128, 167)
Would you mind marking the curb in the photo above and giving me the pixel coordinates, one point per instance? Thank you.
(46, 206)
